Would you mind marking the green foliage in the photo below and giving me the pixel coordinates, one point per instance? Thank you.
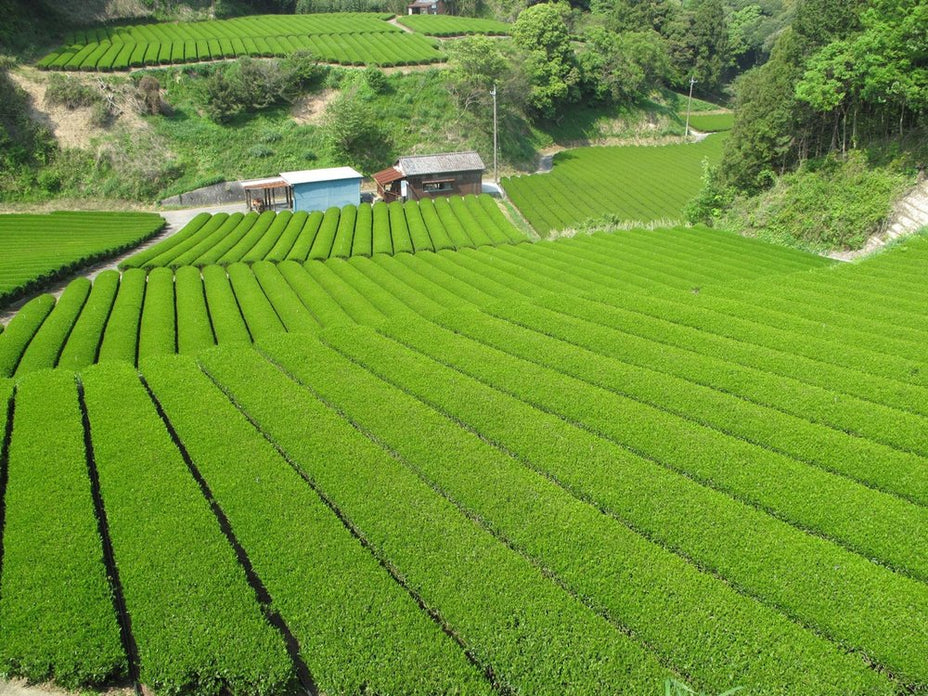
(448, 25)
(120, 338)
(762, 141)
(846, 75)
(881, 66)
(81, 348)
(313, 6)
(346, 38)
(705, 409)
(833, 204)
(20, 331)
(589, 183)
(55, 607)
(175, 564)
(712, 123)
(249, 85)
(283, 524)
(354, 132)
(224, 240)
(623, 67)
(376, 79)
(24, 144)
(45, 347)
(36, 249)
(550, 65)
(713, 199)
(674, 687)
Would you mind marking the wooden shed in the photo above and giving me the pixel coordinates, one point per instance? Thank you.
(319, 189)
(427, 176)
(432, 7)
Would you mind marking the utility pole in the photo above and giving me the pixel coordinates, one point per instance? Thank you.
(688, 103)
(495, 140)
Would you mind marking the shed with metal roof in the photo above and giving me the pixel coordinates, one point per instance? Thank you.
(425, 176)
(319, 189)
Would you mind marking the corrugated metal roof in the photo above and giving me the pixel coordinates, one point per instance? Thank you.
(269, 182)
(312, 176)
(387, 176)
(416, 165)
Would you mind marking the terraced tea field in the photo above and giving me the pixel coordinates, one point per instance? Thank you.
(37, 248)
(447, 223)
(344, 38)
(636, 183)
(449, 25)
(712, 123)
(581, 466)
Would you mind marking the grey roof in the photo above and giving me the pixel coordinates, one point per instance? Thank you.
(416, 165)
(312, 176)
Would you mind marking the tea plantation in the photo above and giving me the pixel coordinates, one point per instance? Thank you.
(637, 183)
(579, 466)
(344, 38)
(37, 248)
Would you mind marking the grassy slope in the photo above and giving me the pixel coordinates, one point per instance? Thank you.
(159, 156)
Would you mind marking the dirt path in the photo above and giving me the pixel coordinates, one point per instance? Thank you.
(18, 687)
(395, 21)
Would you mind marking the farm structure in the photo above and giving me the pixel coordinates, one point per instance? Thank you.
(426, 7)
(309, 190)
(262, 194)
(425, 176)
(319, 189)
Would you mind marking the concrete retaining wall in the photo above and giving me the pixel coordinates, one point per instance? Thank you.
(217, 194)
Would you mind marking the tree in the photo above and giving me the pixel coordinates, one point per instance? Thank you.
(354, 133)
(475, 65)
(710, 45)
(817, 22)
(623, 67)
(878, 73)
(550, 65)
(635, 15)
(763, 140)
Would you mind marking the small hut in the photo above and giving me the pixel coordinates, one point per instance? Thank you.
(427, 176)
(318, 189)
(264, 194)
(432, 7)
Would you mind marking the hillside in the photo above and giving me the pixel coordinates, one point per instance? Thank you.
(137, 156)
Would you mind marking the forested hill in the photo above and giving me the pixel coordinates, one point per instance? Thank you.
(846, 74)
(830, 130)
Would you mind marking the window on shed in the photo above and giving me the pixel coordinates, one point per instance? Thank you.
(438, 185)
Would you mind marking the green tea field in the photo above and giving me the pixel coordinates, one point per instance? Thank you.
(578, 466)
(37, 248)
(712, 123)
(449, 25)
(447, 223)
(344, 38)
(637, 183)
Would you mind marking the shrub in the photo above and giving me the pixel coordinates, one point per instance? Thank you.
(64, 90)
(150, 95)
